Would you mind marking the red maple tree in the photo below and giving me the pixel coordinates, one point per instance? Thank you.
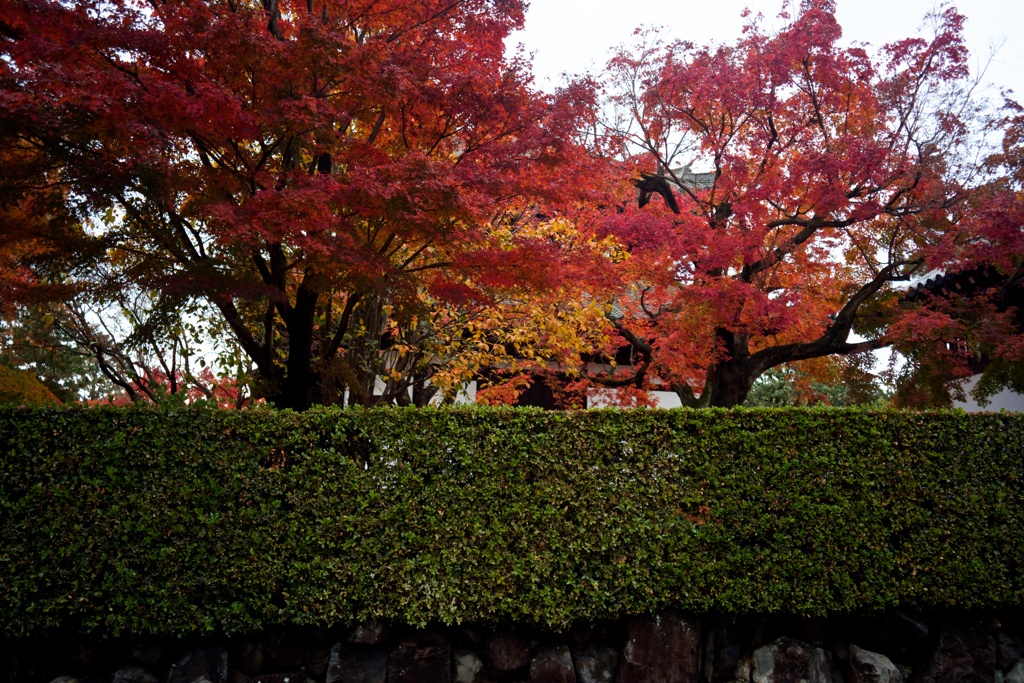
(313, 169)
(828, 177)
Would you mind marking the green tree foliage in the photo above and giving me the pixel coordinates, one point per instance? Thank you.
(34, 342)
(836, 382)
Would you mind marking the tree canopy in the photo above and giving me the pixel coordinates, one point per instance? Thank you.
(315, 173)
(366, 201)
(831, 178)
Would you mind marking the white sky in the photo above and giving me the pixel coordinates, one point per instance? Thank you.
(576, 36)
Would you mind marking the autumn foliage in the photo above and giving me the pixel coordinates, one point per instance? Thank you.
(318, 173)
(366, 201)
(829, 178)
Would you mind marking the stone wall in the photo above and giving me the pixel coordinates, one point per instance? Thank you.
(663, 648)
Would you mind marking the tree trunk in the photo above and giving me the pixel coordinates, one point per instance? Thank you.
(729, 383)
(297, 389)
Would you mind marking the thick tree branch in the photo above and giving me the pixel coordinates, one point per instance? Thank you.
(252, 348)
(779, 253)
(834, 340)
(346, 317)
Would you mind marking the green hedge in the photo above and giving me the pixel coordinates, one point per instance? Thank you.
(139, 521)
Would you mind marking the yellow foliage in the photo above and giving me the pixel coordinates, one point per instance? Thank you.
(20, 387)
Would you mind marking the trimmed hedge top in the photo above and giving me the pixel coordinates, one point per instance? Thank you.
(138, 521)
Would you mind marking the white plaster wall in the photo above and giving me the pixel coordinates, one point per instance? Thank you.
(602, 398)
(1004, 400)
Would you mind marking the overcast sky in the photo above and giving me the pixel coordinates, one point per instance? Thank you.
(575, 36)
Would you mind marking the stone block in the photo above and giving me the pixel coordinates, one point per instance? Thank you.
(595, 664)
(423, 659)
(209, 665)
(507, 653)
(357, 664)
(965, 654)
(552, 665)
(790, 661)
(663, 648)
(871, 667)
(466, 667)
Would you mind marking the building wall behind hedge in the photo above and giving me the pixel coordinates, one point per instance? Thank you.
(137, 521)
